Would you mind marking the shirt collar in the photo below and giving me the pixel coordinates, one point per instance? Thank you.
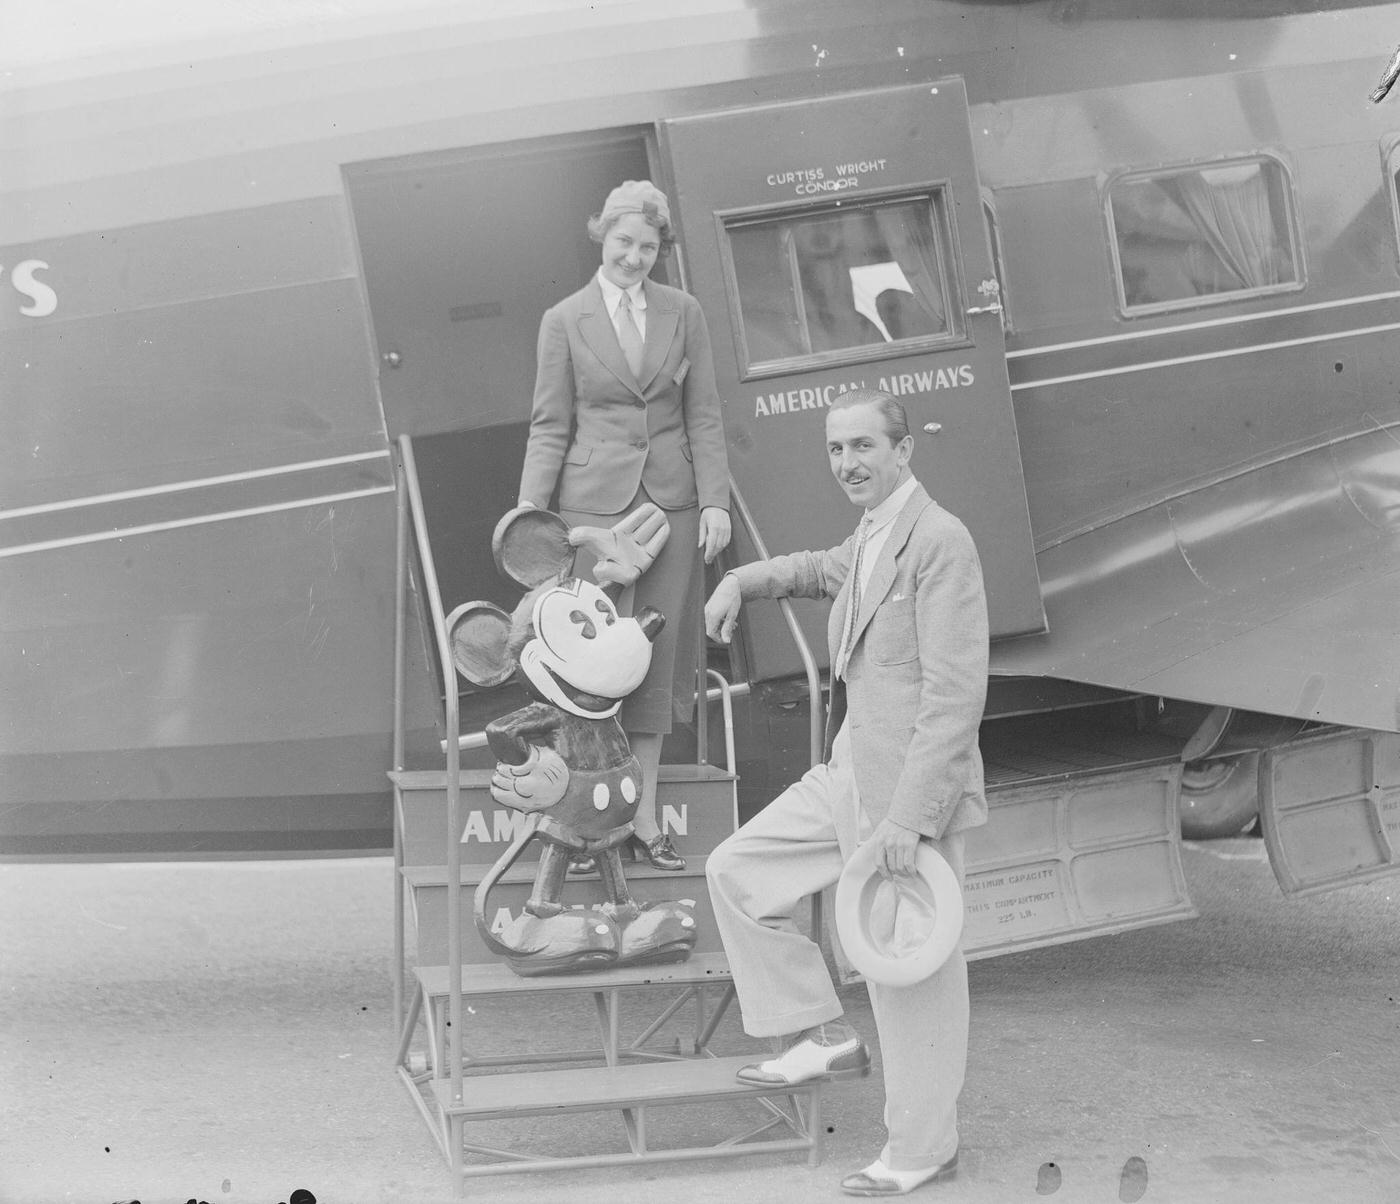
(612, 294)
(885, 512)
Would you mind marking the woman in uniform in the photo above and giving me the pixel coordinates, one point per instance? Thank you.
(625, 412)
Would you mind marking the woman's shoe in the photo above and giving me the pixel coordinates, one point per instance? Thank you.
(659, 851)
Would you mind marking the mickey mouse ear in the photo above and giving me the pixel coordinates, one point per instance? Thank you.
(532, 546)
(477, 633)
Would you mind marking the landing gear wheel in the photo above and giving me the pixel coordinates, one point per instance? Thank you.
(1219, 798)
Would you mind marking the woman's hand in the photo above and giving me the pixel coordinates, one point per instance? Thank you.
(714, 531)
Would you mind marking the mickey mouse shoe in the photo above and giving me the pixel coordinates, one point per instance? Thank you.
(570, 942)
(662, 933)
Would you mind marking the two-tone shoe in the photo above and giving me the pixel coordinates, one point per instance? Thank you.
(878, 1180)
(811, 1056)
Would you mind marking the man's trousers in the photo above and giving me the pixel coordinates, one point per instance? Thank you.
(758, 878)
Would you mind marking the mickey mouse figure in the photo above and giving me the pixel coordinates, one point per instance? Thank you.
(563, 758)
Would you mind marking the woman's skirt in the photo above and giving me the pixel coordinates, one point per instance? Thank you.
(671, 585)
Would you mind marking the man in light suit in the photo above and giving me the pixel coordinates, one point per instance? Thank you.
(909, 681)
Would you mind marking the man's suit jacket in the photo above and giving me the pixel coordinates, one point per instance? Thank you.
(598, 432)
(916, 679)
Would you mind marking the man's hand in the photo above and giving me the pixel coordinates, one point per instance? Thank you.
(722, 610)
(625, 551)
(714, 531)
(535, 785)
(895, 848)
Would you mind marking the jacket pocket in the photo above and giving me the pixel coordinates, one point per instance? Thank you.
(893, 638)
(578, 453)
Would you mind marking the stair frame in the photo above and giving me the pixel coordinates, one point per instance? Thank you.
(547, 1083)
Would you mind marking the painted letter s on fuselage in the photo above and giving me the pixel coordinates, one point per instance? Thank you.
(43, 300)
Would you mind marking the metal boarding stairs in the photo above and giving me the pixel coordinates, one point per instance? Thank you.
(1082, 840)
(447, 833)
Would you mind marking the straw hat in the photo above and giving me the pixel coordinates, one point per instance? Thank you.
(898, 930)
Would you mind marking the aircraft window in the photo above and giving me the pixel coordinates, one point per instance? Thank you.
(836, 282)
(1196, 234)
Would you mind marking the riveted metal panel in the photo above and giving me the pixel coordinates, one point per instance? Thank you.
(1329, 806)
(1073, 857)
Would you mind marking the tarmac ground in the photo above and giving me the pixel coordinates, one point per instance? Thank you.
(222, 1032)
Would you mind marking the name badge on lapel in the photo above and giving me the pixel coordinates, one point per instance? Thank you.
(683, 370)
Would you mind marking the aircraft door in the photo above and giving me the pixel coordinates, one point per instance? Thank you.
(462, 252)
(840, 243)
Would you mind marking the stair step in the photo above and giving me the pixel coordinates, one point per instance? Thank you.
(496, 978)
(475, 870)
(696, 804)
(428, 902)
(587, 1089)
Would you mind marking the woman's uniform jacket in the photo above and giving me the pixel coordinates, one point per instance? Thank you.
(599, 432)
(916, 677)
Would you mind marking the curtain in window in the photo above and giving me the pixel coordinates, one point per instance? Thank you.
(914, 247)
(826, 248)
(1230, 207)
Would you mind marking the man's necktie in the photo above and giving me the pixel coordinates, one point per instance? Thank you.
(629, 336)
(848, 636)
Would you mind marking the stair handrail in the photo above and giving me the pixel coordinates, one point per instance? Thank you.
(725, 692)
(400, 679)
(452, 723)
(817, 725)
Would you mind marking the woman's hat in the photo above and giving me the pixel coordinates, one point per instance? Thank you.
(898, 930)
(636, 196)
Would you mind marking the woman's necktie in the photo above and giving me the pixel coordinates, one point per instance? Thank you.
(629, 336)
